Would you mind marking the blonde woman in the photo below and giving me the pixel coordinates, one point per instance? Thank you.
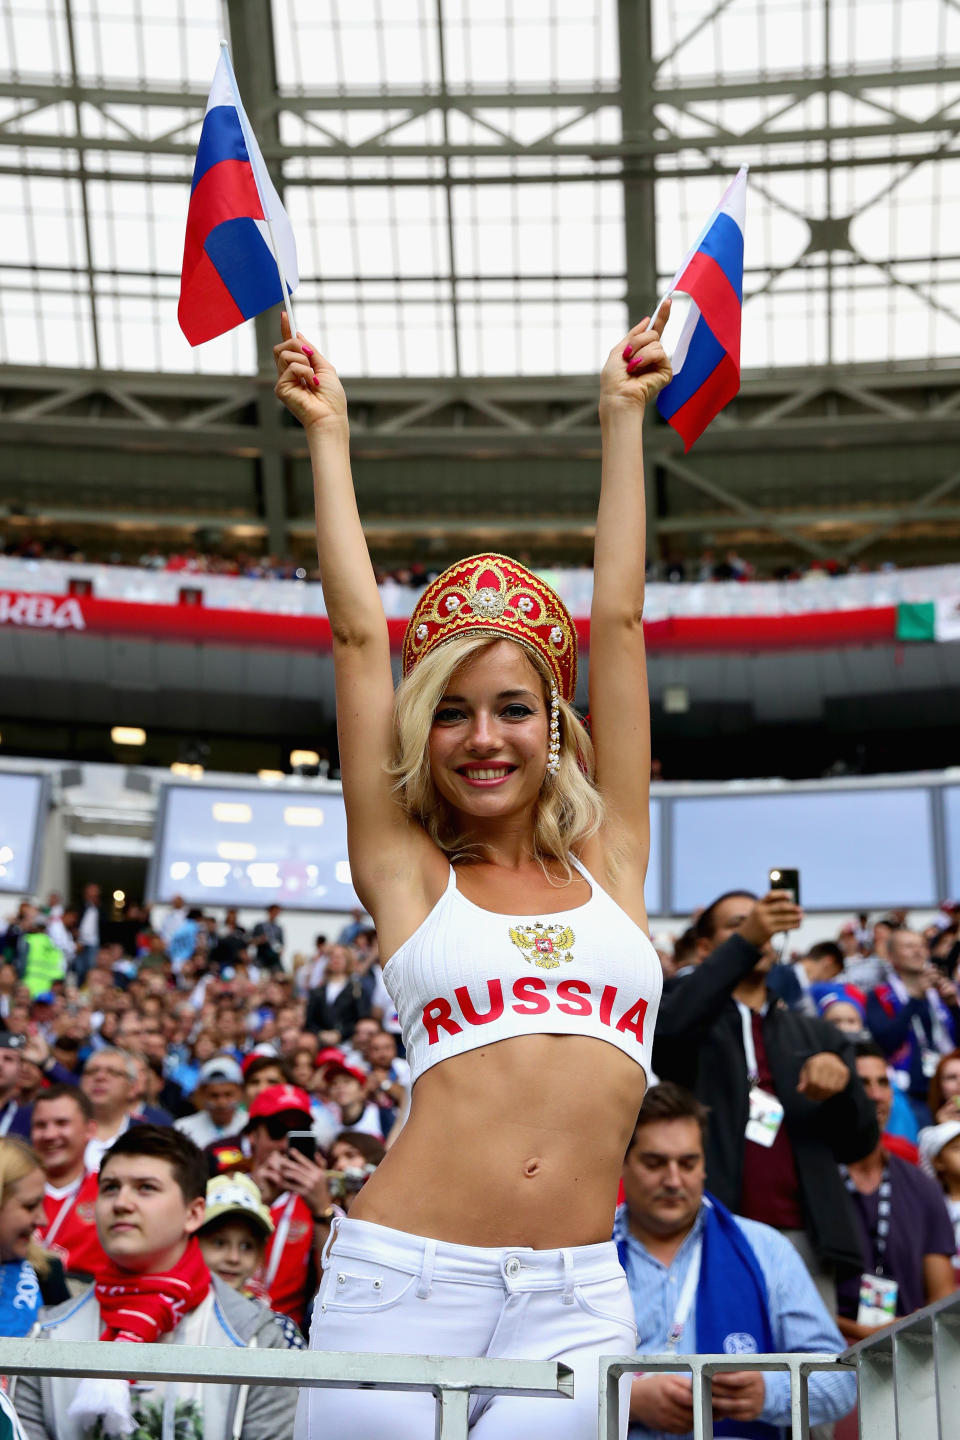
(29, 1277)
(502, 856)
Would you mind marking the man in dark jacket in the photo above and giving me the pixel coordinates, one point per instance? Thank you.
(786, 1104)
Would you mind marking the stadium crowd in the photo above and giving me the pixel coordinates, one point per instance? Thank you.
(710, 566)
(186, 1103)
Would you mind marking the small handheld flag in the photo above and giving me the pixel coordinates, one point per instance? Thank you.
(239, 255)
(706, 362)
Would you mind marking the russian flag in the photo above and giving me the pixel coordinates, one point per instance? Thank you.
(230, 272)
(706, 362)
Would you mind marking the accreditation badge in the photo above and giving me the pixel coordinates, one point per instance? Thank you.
(878, 1300)
(765, 1119)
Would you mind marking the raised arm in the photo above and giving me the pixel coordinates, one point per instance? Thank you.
(382, 842)
(619, 697)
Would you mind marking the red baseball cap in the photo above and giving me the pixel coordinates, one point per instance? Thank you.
(330, 1056)
(342, 1069)
(277, 1100)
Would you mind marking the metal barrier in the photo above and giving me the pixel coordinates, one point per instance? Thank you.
(702, 1369)
(895, 1369)
(908, 1379)
(453, 1382)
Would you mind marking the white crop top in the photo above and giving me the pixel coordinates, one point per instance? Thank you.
(468, 977)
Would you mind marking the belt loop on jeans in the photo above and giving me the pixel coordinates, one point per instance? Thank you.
(325, 1252)
(426, 1273)
(567, 1297)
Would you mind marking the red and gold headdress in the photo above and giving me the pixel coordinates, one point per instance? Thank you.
(494, 595)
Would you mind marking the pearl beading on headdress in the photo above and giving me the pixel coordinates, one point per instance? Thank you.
(553, 754)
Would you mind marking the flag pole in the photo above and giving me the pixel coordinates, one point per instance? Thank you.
(248, 135)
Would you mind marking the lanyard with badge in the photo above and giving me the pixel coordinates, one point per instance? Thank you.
(766, 1113)
(878, 1292)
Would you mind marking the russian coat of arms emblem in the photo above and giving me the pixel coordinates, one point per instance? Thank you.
(545, 946)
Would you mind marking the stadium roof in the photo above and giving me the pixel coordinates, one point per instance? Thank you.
(487, 188)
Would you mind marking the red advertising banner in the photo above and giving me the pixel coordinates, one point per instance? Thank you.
(198, 625)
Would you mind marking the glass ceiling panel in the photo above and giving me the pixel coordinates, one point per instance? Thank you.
(488, 237)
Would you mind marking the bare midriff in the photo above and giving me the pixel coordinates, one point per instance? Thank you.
(517, 1143)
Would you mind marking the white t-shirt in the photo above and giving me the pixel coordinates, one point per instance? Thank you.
(96, 1149)
(202, 1131)
(368, 1123)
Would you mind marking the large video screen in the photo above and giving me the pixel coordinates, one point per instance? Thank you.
(23, 811)
(855, 849)
(252, 847)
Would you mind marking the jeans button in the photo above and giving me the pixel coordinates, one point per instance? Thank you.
(512, 1267)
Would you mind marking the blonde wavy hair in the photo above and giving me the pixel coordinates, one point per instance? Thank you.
(570, 807)
(17, 1161)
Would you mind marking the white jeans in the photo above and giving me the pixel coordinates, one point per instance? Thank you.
(384, 1290)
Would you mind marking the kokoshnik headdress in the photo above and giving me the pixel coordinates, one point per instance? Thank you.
(494, 595)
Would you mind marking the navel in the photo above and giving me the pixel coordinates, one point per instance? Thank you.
(532, 1167)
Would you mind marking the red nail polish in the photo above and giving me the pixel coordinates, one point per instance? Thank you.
(632, 369)
(316, 379)
(628, 352)
(306, 349)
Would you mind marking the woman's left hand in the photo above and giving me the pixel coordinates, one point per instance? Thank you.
(637, 367)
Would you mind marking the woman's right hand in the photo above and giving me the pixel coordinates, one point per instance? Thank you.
(306, 383)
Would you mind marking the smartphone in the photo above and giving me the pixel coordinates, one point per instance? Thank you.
(783, 879)
(304, 1141)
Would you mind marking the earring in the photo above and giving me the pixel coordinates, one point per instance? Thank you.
(553, 754)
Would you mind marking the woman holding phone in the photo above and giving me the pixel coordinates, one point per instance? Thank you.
(501, 851)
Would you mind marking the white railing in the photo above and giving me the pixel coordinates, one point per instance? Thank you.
(452, 1381)
(908, 1376)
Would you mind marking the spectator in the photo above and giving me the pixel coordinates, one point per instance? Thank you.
(906, 1238)
(173, 919)
(697, 1273)
(786, 1102)
(260, 1072)
(109, 1081)
(62, 1127)
(183, 941)
(914, 1016)
(822, 964)
(268, 940)
(14, 1118)
(943, 1097)
(89, 931)
(154, 1286)
(236, 1227)
(940, 1158)
(346, 1087)
(219, 1098)
(295, 1190)
(338, 1003)
(388, 1082)
(29, 1277)
(843, 1005)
